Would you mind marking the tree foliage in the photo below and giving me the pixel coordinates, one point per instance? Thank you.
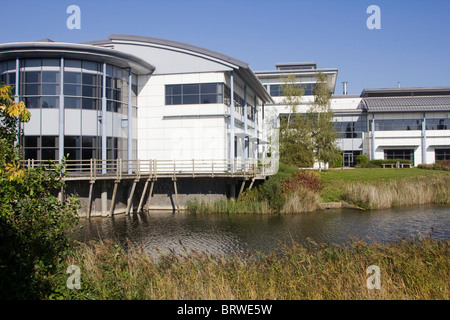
(34, 224)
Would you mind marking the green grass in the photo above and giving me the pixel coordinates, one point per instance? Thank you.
(337, 182)
(337, 176)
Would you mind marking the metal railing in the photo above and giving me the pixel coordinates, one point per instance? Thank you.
(118, 169)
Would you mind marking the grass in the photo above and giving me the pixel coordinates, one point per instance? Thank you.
(410, 269)
(386, 188)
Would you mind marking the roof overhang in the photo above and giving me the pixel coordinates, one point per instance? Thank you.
(74, 51)
(242, 68)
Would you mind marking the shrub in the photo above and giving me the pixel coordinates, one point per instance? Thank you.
(337, 163)
(362, 159)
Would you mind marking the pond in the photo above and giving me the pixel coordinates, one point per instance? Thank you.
(222, 233)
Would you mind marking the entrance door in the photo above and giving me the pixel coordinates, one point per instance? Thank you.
(347, 159)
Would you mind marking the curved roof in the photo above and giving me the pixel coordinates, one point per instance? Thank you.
(173, 44)
(74, 51)
(242, 68)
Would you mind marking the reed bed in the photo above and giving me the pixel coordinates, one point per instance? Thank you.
(398, 193)
(410, 269)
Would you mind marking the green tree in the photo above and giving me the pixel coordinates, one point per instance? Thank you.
(34, 224)
(323, 134)
(295, 138)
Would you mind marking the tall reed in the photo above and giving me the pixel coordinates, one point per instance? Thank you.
(410, 269)
(398, 193)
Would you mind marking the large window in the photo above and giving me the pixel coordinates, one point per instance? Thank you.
(398, 124)
(199, 93)
(350, 129)
(407, 154)
(438, 124)
(40, 83)
(276, 90)
(442, 154)
(41, 147)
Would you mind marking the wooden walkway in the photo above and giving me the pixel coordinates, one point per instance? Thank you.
(118, 169)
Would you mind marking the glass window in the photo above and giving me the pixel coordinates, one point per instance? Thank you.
(191, 99)
(32, 76)
(33, 62)
(191, 89)
(72, 77)
(50, 89)
(442, 154)
(72, 90)
(407, 154)
(31, 153)
(50, 102)
(90, 104)
(72, 63)
(50, 141)
(50, 76)
(72, 103)
(32, 102)
(72, 141)
(31, 89)
(50, 62)
(31, 141)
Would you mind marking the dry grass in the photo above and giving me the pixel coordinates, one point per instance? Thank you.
(410, 269)
(399, 193)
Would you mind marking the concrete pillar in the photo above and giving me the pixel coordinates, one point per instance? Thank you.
(104, 198)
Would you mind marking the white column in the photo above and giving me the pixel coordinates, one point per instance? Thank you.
(130, 123)
(104, 147)
(231, 156)
(61, 110)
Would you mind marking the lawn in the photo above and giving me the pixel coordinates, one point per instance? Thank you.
(337, 176)
(336, 181)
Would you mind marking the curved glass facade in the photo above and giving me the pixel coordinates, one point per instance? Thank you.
(77, 87)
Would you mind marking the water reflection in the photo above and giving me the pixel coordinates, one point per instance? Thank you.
(216, 233)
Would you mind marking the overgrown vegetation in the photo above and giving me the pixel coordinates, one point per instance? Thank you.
(416, 269)
(34, 224)
(439, 165)
(289, 191)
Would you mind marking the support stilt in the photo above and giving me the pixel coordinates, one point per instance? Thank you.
(89, 206)
(177, 206)
(130, 198)
(113, 200)
(152, 184)
(141, 201)
(241, 190)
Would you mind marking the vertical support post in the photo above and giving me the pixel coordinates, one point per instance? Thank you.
(246, 141)
(150, 194)
(104, 198)
(177, 206)
(241, 190)
(61, 110)
(130, 122)
(104, 147)
(130, 198)
(91, 188)
(255, 121)
(372, 155)
(232, 151)
(113, 199)
(17, 91)
(141, 201)
(424, 139)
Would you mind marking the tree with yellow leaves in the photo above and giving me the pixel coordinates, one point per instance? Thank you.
(34, 224)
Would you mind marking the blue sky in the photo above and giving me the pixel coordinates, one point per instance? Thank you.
(412, 47)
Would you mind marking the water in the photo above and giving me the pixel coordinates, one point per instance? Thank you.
(218, 233)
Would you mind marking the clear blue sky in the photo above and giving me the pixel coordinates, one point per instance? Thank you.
(412, 47)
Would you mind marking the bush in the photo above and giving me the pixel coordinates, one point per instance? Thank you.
(34, 224)
(362, 159)
(338, 163)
